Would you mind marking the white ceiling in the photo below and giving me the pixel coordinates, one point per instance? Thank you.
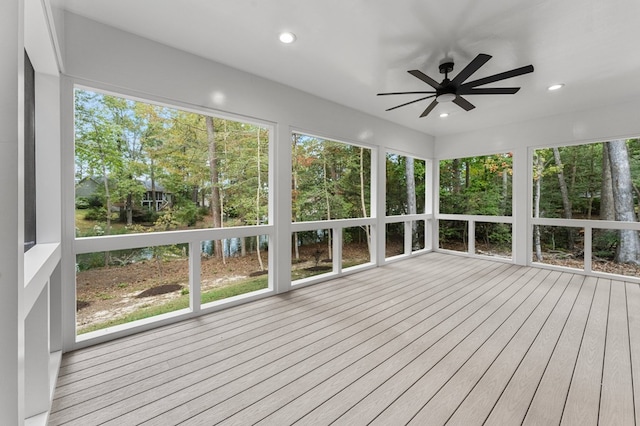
(349, 50)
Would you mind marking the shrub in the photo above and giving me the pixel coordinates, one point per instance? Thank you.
(95, 213)
(82, 203)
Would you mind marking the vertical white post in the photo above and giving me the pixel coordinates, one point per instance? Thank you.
(37, 356)
(55, 310)
(11, 211)
(588, 247)
(374, 182)
(337, 249)
(472, 237)
(378, 203)
(280, 208)
(195, 288)
(435, 191)
(521, 201)
(68, 255)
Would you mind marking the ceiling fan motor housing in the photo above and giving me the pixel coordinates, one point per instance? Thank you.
(446, 67)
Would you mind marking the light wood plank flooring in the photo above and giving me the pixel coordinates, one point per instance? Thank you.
(436, 339)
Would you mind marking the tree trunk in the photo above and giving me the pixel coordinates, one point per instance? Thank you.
(467, 172)
(590, 186)
(607, 210)
(326, 196)
(294, 194)
(258, 207)
(566, 203)
(505, 192)
(215, 187)
(623, 202)
(154, 205)
(455, 165)
(409, 171)
(362, 200)
(107, 196)
(537, 173)
(129, 209)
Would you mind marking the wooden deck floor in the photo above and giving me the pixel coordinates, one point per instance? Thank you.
(436, 339)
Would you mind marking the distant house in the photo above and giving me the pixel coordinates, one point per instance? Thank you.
(162, 197)
(90, 186)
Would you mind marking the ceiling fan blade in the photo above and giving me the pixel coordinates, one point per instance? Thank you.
(463, 103)
(497, 77)
(422, 76)
(404, 93)
(473, 66)
(430, 108)
(410, 102)
(488, 91)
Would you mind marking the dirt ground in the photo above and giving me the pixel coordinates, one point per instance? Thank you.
(106, 293)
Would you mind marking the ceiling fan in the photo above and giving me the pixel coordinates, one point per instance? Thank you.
(452, 90)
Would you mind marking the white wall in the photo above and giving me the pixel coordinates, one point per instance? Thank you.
(599, 124)
(104, 55)
(11, 238)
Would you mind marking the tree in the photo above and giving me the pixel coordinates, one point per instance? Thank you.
(363, 198)
(622, 185)
(411, 197)
(215, 186)
(97, 144)
(607, 210)
(294, 192)
(538, 172)
(566, 203)
(258, 188)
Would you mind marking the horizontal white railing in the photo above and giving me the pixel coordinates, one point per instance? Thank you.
(588, 225)
(150, 239)
(192, 237)
(336, 226)
(472, 219)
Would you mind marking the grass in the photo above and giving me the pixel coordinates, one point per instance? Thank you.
(85, 227)
(181, 303)
(213, 295)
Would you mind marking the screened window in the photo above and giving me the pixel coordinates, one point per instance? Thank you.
(405, 185)
(143, 168)
(330, 180)
(476, 185)
(597, 181)
(29, 155)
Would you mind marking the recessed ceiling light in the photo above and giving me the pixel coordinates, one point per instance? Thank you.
(444, 115)
(287, 37)
(555, 87)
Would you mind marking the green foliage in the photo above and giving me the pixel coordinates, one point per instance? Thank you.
(327, 179)
(453, 231)
(95, 213)
(396, 191)
(187, 213)
(131, 142)
(605, 243)
(476, 185)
